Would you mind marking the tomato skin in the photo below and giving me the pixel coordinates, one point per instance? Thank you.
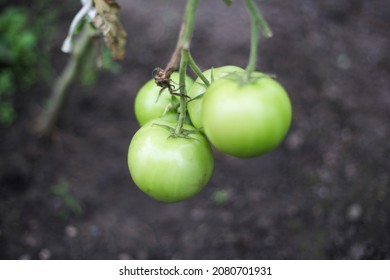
(146, 105)
(198, 87)
(246, 119)
(169, 169)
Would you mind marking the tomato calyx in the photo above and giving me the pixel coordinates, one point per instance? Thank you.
(184, 133)
(196, 97)
(235, 76)
(242, 78)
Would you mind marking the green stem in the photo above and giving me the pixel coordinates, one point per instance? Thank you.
(260, 21)
(257, 23)
(47, 119)
(196, 69)
(251, 67)
(189, 22)
(183, 92)
(184, 43)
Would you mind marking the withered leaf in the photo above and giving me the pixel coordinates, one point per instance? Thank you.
(107, 21)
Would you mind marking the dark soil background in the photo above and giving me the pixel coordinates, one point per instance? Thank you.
(323, 194)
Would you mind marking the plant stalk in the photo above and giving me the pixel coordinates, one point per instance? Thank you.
(258, 23)
(196, 69)
(184, 45)
(189, 23)
(47, 119)
(183, 93)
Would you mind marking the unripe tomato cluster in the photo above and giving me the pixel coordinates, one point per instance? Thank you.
(239, 115)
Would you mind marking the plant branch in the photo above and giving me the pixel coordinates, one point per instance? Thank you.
(260, 21)
(183, 93)
(181, 53)
(184, 44)
(189, 22)
(174, 61)
(196, 69)
(251, 67)
(257, 23)
(46, 120)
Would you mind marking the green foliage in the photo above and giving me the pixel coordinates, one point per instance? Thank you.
(7, 88)
(18, 43)
(221, 196)
(70, 204)
(108, 63)
(228, 2)
(22, 62)
(94, 62)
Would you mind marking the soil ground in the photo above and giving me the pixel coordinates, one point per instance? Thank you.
(323, 194)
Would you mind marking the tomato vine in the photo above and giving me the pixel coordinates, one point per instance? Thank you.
(182, 53)
(257, 23)
(243, 113)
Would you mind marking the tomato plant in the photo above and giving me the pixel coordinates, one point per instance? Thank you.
(244, 113)
(149, 105)
(246, 118)
(199, 88)
(169, 169)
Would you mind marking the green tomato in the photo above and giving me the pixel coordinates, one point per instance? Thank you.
(148, 106)
(169, 169)
(246, 119)
(198, 88)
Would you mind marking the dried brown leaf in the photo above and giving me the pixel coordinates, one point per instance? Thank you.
(107, 21)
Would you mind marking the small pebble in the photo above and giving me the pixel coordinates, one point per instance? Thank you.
(25, 257)
(294, 140)
(124, 256)
(30, 241)
(71, 231)
(323, 192)
(354, 212)
(197, 214)
(357, 251)
(44, 254)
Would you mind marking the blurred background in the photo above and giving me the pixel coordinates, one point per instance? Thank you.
(323, 194)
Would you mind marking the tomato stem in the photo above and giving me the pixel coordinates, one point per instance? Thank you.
(183, 93)
(251, 67)
(185, 34)
(257, 23)
(173, 62)
(260, 21)
(189, 23)
(196, 69)
(186, 59)
(182, 53)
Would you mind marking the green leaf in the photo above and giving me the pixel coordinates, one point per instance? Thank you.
(228, 2)
(62, 191)
(7, 114)
(221, 197)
